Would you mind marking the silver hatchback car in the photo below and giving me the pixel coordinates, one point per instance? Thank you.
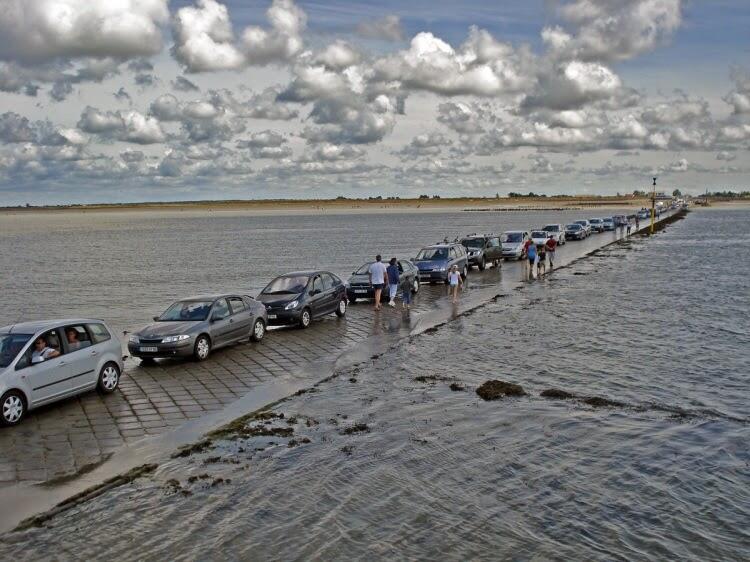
(46, 361)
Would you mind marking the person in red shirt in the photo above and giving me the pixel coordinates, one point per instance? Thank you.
(551, 245)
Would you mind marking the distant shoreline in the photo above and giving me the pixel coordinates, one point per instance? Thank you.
(471, 204)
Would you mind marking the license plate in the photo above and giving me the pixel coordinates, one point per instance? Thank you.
(272, 317)
(361, 291)
(148, 349)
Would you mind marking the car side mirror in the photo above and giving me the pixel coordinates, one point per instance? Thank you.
(313, 292)
(156, 318)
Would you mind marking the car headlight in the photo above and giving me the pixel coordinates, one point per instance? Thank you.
(442, 268)
(292, 305)
(175, 339)
(134, 339)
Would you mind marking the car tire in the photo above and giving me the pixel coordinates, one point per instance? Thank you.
(12, 408)
(305, 318)
(202, 348)
(109, 378)
(465, 272)
(482, 264)
(341, 308)
(415, 286)
(259, 330)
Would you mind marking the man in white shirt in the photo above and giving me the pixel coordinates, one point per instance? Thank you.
(42, 351)
(378, 278)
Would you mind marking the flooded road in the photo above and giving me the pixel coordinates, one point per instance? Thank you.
(399, 457)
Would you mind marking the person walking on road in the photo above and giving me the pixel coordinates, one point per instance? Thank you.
(551, 245)
(541, 259)
(455, 282)
(628, 227)
(378, 278)
(531, 256)
(393, 279)
(637, 223)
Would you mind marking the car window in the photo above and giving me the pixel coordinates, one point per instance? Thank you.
(327, 281)
(49, 348)
(236, 304)
(454, 252)
(317, 285)
(76, 337)
(99, 332)
(221, 310)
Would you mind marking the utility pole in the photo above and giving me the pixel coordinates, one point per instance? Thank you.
(653, 207)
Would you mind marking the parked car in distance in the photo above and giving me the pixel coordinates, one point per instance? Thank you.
(195, 326)
(42, 362)
(644, 214)
(608, 223)
(358, 286)
(482, 249)
(513, 244)
(302, 296)
(620, 220)
(557, 231)
(597, 225)
(586, 225)
(539, 237)
(575, 232)
(434, 262)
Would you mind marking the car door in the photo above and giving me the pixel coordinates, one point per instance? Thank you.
(316, 298)
(221, 324)
(82, 355)
(406, 275)
(48, 379)
(330, 294)
(241, 319)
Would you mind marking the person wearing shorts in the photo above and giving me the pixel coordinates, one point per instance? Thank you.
(531, 256)
(454, 282)
(541, 261)
(378, 277)
(551, 245)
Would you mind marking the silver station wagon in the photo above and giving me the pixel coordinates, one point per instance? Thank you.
(46, 361)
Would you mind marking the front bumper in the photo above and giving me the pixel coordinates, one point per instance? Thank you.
(284, 317)
(475, 259)
(161, 350)
(432, 276)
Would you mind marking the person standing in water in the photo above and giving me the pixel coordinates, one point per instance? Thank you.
(393, 279)
(551, 245)
(541, 262)
(378, 278)
(455, 282)
(531, 256)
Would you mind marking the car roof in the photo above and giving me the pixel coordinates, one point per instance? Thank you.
(39, 325)
(441, 245)
(515, 232)
(208, 297)
(307, 273)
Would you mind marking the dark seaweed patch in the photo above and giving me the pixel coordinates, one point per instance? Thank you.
(557, 393)
(493, 390)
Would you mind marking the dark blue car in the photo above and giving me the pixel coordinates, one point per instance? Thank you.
(434, 262)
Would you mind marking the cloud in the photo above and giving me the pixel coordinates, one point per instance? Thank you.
(36, 31)
(739, 98)
(612, 30)
(482, 66)
(726, 156)
(387, 28)
(122, 95)
(327, 152)
(127, 126)
(182, 84)
(427, 144)
(350, 121)
(339, 55)
(204, 40)
(466, 118)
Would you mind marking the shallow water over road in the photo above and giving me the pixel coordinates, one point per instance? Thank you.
(389, 460)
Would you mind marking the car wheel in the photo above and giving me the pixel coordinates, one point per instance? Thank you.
(341, 308)
(465, 272)
(12, 408)
(202, 348)
(259, 330)
(482, 264)
(109, 378)
(305, 318)
(415, 286)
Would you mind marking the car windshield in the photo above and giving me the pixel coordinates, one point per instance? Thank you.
(573, 227)
(551, 228)
(10, 347)
(595, 221)
(607, 220)
(581, 222)
(473, 242)
(539, 234)
(513, 237)
(187, 311)
(287, 285)
(433, 254)
(364, 270)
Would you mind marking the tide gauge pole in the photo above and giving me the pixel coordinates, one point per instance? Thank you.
(653, 207)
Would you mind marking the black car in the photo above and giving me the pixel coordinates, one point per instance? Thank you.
(482, 249)
(358, 286)
(301, 296)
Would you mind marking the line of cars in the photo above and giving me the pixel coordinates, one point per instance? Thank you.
(42, 362)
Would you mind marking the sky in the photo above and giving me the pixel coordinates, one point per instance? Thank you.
(152, 100)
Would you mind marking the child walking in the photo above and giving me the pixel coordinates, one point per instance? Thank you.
(455, 281)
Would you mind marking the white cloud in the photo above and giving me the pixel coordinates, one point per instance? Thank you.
(339, 55)
(388, 28)
(127, 126)
(35, 31)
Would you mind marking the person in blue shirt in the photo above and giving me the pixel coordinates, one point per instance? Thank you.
(531, 255)
(393, 279)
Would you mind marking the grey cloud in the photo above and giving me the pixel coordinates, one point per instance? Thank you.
(467, 118)
(133, 156)
(122, 95)
(266, 138)
(140, 65)
(127, 126)
(60, 91)
(182, 84)
(347, 121)
(428, 144)
(145, 80)
(388, 28)
(739, 98)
